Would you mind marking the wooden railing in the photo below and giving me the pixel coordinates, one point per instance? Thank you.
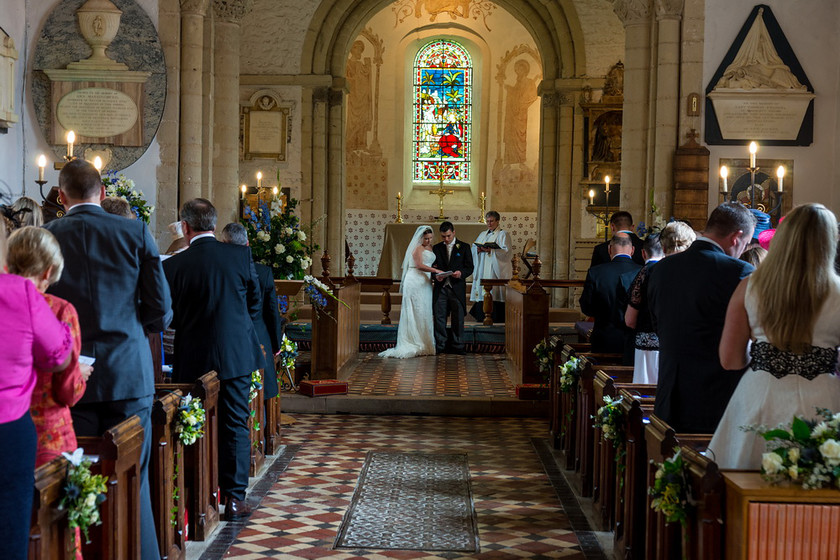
(166, 477)
(335, 330)
(49, 536)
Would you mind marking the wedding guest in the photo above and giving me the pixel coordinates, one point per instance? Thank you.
(620, 222)
(754, 255)
(113, 276)
(490, 263)
(179, 242)
(687, 295)
(604, 298)
(28, 212)
(30, 337)
(675, 238)
(790, 309)
(34, 253)
(118, 206)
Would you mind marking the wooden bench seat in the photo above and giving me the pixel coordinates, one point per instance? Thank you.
(166, 476)
(49, 536)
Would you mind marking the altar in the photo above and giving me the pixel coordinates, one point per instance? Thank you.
(398, 236)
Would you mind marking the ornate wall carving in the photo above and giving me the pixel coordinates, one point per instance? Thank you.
(231, 11)
(455, 9)
(632, 12)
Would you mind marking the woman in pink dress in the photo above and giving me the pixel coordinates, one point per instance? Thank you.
(30, 336)
(34, 253)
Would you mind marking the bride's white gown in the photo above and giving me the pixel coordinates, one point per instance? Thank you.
(415, 334)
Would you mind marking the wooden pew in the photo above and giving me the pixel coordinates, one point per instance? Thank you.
(335, 334)
(166, 476)
(526, 324)
(119, 459)
(663, 540)
(273, 427)
(49, 536)
(586, 407)
(201, 460)
(632, 479)
(256, 407)
(605, 483)
(705, 530)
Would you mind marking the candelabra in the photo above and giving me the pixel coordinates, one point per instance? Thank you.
(753, 169)
(399, 219)
(602, 217)
(263, 193)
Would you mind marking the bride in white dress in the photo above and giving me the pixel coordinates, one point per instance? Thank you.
(790, 308)
(415, 334)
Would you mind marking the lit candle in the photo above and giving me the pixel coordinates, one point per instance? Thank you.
(753, 150)
(97, 163)
(274, 192)
(482, 194)
(71, 139)
(244, 189)
(724, 173)
(607, 182)
(42, 163)
(259, 179)
(591, 197)
(780, 174)
(399, 195)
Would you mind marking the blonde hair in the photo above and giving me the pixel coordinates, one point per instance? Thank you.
(676, 237)
(28, 212)
(796, 276)
(32, 251)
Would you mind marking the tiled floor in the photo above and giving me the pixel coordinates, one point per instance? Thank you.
(519, 514)
(444, 375)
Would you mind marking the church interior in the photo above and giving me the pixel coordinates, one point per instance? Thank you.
(356, 122)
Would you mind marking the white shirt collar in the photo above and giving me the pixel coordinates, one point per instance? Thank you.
(653, 260)
(84, 204)
(451, 244)
(712, 241)
(199, 236)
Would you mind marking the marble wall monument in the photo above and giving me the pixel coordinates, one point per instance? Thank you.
(102, 75)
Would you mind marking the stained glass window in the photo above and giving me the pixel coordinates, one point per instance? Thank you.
(442, 120)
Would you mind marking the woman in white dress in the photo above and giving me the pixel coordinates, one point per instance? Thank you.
(790, 309)
(415, 333)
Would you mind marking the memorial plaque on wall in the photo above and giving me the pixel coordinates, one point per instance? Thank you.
(760, 91)
(100, 72)
(265, 127)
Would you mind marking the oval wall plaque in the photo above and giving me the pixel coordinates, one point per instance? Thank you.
(97, 112)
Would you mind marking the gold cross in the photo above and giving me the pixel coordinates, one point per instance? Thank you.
(441, 192)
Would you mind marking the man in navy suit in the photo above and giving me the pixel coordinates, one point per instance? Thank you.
(112, 275)
(449, 297)
(620, 222)
(605, 298)
(688, 295)
(215, 294)
(267, 323)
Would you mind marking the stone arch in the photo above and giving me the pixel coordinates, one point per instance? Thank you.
(558, 34)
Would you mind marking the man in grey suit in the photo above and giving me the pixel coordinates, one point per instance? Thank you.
(113, 276)
(688, 295)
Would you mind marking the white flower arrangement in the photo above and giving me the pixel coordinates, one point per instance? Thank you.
(123, 187)
(569, 373)
(83, 493)
(805, 452)
(190, 420)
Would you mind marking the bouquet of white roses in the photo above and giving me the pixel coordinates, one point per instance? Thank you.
(569, 373)
(278, 240)
(190, 420)
(805, 452)
(610, 419)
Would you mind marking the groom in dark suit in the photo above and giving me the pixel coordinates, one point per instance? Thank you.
(112, 275)
(688, 295)
(215, 294)
(450, 292)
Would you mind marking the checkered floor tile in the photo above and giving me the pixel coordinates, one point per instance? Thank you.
(519, 515)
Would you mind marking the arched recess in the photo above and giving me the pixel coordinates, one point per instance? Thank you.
(557, 32)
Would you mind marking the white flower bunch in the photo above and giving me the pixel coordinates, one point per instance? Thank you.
(569, 373)
(309, 279)
(189, 424)
(279, 248)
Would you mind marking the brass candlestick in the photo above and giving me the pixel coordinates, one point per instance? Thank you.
(481, 218)
(441, 192)
(399, 209)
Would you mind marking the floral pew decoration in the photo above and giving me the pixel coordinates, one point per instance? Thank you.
(318, 293)
(671, 491)
(287, 356)
(190, 420)
(83, 494)
(804, 452)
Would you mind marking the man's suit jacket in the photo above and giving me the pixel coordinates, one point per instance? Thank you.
(113, 276)
(601, 252)
(215, 294)
(267, 325)
(461, 259)
(604, 298)
(688, 295)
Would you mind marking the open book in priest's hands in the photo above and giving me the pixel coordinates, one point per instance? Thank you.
(488, 245)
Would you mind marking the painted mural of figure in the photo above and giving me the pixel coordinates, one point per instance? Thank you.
(359, 100)
(455, 8)
(520, 96)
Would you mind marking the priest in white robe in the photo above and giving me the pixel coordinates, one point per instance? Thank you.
(491, 263)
